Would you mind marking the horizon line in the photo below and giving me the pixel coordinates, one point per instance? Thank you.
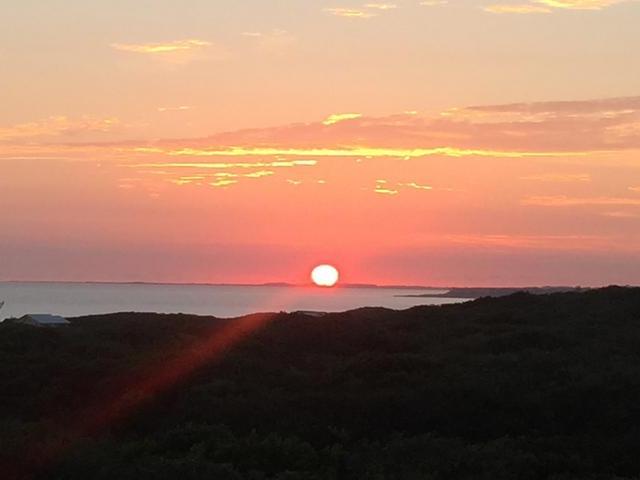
(293, 285)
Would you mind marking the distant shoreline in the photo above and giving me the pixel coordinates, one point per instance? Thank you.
(446, 292)
(496, 292)
(196, 284)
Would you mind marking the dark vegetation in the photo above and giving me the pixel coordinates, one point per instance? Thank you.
(520, 387)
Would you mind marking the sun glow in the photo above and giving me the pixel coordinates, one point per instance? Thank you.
(325, 276)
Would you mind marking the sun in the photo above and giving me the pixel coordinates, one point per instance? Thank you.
(325, 275)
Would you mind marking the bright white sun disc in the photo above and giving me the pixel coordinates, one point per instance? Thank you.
(325, 275)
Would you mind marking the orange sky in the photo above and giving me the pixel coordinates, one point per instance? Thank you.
(459, 143)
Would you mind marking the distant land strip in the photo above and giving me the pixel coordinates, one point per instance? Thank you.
(494, 292)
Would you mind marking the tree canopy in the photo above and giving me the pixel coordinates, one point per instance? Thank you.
(519, 387)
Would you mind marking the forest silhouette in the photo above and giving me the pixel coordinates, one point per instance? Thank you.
(519, 387)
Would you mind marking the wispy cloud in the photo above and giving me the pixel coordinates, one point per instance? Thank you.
(386, 187)
(600, 124)
(523, 8)
(340, 117)
(383, 188)
(223, 183)
(584, 242)
(416, 186)
(603, 108)
(581, 4)
(585, 129)
(548, 6)
(367, 10)
(433, 3)
(559, 177)
(201, 178)
(176, 51)
(381, 6)
(385, 191)
(58, 126)
(521, 130)
(367, 152)
(216, 174)
(228, 165)
(162, 48)
(178, 108)
(356, 13)
(564, 201)
(259, 174)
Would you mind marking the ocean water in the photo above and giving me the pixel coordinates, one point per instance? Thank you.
(76, 299)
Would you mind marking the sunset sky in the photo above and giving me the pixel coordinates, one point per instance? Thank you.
(452, 143)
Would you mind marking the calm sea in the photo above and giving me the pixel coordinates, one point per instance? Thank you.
(75, 299)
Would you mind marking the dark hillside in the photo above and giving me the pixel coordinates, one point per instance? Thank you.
(519, 387)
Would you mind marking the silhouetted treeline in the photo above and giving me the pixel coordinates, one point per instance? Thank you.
(520, 387)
